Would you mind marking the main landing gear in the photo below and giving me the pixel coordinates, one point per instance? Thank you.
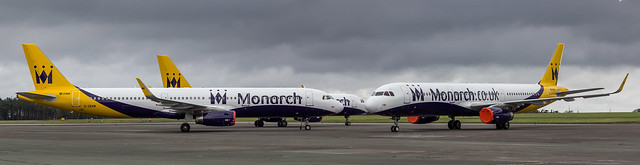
(395, 127)
(282, 122)
(258, 123)
(306, 124)
(347, 123)
(185, 127)
(454, 124)
(504, 125)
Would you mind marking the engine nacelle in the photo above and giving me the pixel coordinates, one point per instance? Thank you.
(311, 119)
(492, 115)
(169, 115)
(217, 118)
(422, 119)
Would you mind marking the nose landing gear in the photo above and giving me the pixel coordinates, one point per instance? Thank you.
(395, 127)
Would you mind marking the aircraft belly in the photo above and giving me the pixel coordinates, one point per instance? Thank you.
(428, 108)
(350, 111)
(280, 111)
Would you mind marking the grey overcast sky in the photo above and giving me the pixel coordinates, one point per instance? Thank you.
(351, 46)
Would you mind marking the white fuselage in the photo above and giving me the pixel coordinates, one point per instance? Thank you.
(409, 99)
(353, 105)
(247, 102)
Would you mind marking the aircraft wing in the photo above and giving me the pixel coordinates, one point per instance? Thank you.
(35, 96)
(564, 93)
(179, 106)
(511, 105)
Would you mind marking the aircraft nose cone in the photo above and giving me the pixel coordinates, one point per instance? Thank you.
(337, 107)
(370, 105)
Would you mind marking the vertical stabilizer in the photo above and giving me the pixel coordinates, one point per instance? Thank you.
(550, 77)
(171, 76)
(44, 74)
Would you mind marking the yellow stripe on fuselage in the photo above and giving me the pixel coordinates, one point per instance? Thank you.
(547, 92)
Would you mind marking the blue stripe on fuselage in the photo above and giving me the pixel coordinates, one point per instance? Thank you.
(429, 108)
(127, 109)
(350, 111)
(537, 95)
(280, 111)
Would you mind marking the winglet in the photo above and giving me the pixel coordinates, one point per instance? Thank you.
(145, 90)
(622, 85)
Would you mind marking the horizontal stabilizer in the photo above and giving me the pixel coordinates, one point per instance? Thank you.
(34, 96)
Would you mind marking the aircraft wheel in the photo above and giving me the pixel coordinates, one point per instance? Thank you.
(450, 124)
(457, 124)
(185, 127)
(307, 127)
(347, 123)
(259, 123)
(282, 123)
(395, 128)
(506, 125)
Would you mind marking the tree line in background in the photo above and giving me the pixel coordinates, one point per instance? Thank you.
(16, 109)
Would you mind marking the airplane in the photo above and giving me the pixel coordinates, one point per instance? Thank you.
(208, 106)
(173, 78)
(353, 105)
(495, 103)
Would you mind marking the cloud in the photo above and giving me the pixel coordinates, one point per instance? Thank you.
(346, 46)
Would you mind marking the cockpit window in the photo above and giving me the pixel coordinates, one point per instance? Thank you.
(327, 97)
(383, 93)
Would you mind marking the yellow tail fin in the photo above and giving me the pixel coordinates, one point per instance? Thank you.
(44, 74)
(550, 77)
(171, 76)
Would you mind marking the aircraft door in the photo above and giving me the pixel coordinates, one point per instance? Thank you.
(309, 97)
(406, 94)
(354, 103)
(75, 99)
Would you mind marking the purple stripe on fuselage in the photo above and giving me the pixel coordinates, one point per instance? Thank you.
(280, 111)
(537, 95)
(429, 108)
(129, 110)
(350, 111)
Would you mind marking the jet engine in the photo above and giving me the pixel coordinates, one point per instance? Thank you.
(492, 115)
(311, 119)
(217, 118)
(422, 119)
